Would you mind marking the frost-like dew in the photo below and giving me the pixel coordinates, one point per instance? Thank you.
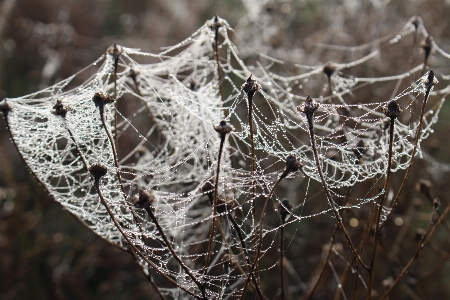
(168, 147)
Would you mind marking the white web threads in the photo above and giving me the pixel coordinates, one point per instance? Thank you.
(177, 153)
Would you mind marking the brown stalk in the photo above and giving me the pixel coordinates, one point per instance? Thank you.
(309, 107)
(423, 242)
(429, 85)
(97, 178)
(392, 111)
(292, 165)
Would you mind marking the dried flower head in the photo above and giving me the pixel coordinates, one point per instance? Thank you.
(144, 199)
(98, 171)
(284, 208)
(100, 99)
(430, 81)
(216, 23)
(223, 128)
(392, 110)
(115, 51)
(132, 73)
(60, 109)
(251, 86)
(329, 68)
(293, 164)
(5, 108)
(309, 106)
(427, 45)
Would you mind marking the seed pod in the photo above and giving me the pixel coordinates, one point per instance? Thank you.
(98, 171)
(223, 128)
(392, 110)
(309, 106)
(251, 86)
(60, 109)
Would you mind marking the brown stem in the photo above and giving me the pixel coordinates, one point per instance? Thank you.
(281, 259)
(216, 184)
(429, 85)
(380, 208)
(116, 223)
(309, 116)
(423, 242)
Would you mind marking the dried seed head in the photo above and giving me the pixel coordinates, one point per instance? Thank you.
(115, 51)
(430, 81)
(215, 23)
(309, 106)
(427, 45)
(98, 171)
(329, 68)
(132, 74)
(193, 85)
(5, 108)
(101, 99)
(392, 110)
(284, 209)
(144, 199)
(223, 128)
(293, 164)
(60, 109)
(416, 21)
(436, 204)
(225, 205)
(250, 87)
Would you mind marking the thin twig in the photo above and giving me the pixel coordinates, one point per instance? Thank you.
(309, 107)
(423, 242)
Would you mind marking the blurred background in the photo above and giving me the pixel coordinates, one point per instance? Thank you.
(45, 253)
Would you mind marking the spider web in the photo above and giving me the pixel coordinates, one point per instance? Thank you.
(167, 145)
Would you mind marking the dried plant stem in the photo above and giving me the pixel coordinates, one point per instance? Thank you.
(253, 157)
(116, 163)
(380, 209)
(259, 245)
(281, 259)
(423, 242)
(213, 223)
(327, 258)
(416, 143)
(116, 223)
(237, 229)
(216, 56)
(309, 116)
(175, 255)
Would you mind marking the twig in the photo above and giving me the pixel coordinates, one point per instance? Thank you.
(393, 111)
(309, 107)
(423, 242)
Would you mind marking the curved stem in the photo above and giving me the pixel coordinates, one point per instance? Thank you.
(380, 209)
(413, 153)
(331, 202)
(116, 223)
(423, 242)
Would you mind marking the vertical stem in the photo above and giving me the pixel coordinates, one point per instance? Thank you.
(281, 258)
(309, 116)
(429, 86)
(216, 184)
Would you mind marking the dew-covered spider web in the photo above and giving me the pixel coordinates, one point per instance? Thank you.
(159, 113)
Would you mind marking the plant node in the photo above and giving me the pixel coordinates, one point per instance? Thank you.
(100, 99)
(98, 171)
(392, 110)
(223, 128)
(60, 109)
(251, 86)
(309, 106)
(115, 51)
(5, 108)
